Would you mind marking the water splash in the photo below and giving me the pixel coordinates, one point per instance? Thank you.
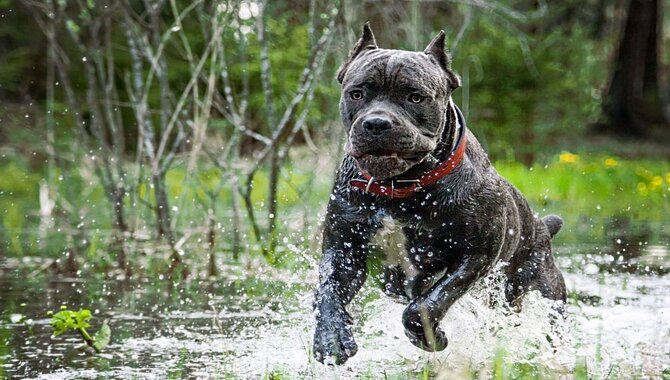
(617, 324)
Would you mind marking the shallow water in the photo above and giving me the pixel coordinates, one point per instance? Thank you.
(256, 324)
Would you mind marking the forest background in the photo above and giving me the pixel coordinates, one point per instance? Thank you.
(171, 137)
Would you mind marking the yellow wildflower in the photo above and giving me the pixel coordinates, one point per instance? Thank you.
(611, 162)
(667, 178)
(567, 157)
(655, 182)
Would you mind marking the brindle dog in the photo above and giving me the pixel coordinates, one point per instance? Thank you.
(416, 183)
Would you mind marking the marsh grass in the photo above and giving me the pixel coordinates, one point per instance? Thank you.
(597, 195)
(596, 192)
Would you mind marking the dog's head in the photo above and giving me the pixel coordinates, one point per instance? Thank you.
(394, 104)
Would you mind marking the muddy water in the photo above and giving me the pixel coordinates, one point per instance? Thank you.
(254, 325)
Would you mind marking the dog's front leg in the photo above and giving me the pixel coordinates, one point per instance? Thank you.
(422, 315)
(342, 272)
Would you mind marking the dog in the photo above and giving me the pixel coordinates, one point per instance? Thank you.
(416, 185)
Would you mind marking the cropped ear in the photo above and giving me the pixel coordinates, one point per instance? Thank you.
(437, 50)
(366, 42)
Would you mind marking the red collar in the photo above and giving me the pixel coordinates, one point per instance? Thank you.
(388, 188)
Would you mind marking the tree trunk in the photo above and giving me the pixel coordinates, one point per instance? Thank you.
(211, 242)
(272, 200)
(120, 229)
(164, 221)
(652, 102)
(237, 219)
(598, 27)
(632, 102)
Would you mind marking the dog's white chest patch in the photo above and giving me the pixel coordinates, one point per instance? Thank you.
(392, 241)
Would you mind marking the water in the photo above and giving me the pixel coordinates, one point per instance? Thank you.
(259, 324)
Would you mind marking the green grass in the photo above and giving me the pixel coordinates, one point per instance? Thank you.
(591, 192)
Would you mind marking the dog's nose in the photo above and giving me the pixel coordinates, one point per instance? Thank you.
(376, 124)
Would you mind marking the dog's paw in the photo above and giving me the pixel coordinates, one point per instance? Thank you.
(334, 340)
(422, 330)
(433, 340)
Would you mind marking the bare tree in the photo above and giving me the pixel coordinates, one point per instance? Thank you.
(291, 122)
(171, 122)
(102, 131)
(183, 114)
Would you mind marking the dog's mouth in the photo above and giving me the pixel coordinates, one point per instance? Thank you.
(386, 163)
(387, 156)
(376, 152)
(388, 153)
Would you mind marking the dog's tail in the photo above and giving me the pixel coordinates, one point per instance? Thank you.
(553, 223)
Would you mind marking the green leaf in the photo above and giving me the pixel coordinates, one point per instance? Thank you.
(83, 315)
(61, 322)
(84, 15)
(68, 319)
(72, 27)
(102, 337)
(59, 329)
(79, 318)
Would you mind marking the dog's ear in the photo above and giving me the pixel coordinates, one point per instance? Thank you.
(366, 42)
(437, 50)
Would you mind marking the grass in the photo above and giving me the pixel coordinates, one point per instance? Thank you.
(594, 193)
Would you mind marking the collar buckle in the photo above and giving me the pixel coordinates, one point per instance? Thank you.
(367, 186)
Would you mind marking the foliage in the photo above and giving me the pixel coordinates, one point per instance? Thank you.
(66, 319)
(523, 100)
(531, 79)
(75, 151)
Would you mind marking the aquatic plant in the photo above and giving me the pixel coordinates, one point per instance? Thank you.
(67, 319)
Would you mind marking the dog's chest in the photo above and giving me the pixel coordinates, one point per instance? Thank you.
(392, 241)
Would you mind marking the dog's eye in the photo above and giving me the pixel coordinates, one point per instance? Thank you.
(416, 98)
(356, 95)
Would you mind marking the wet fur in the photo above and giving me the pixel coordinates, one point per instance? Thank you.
(455, 230)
